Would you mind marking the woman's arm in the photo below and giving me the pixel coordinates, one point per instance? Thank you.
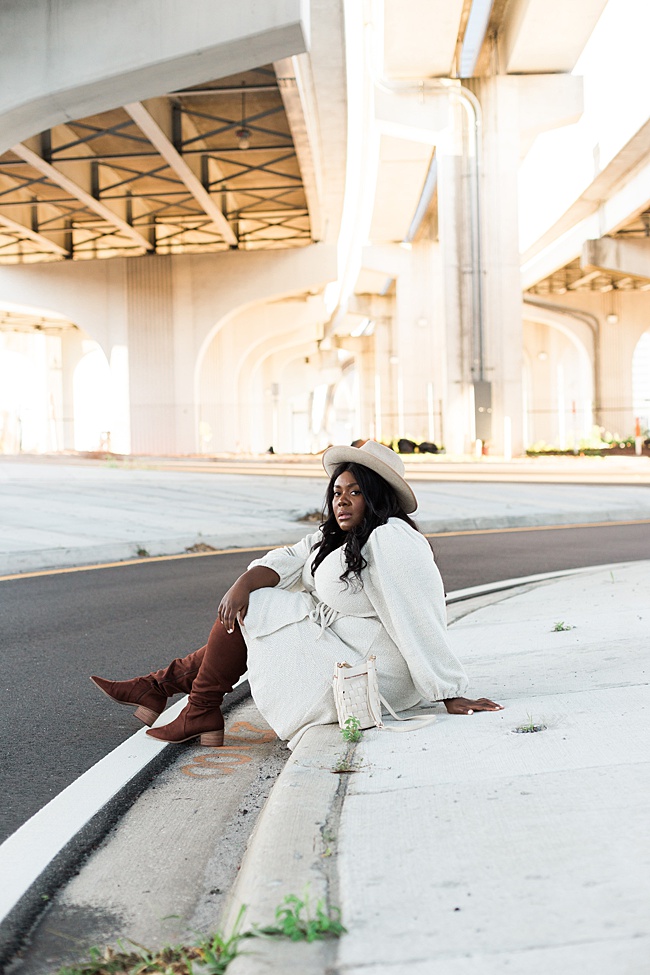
(289, 562)
(234, 604)
(404, 585)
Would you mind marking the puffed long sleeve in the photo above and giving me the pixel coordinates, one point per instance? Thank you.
(404, 585)
(289, 561)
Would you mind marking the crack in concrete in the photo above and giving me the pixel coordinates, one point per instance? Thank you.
(328, 865)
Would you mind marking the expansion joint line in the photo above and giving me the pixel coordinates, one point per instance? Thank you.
(328, 860)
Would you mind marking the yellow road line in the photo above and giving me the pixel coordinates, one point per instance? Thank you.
(265, 548)
(148, 558)
(537, 528)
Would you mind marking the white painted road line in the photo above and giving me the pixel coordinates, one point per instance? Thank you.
(27, 852)
(458, 594)
(26, 855)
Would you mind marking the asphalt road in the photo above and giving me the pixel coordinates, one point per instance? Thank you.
(121, 621)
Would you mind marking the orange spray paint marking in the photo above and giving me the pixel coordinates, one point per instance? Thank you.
(224, 761)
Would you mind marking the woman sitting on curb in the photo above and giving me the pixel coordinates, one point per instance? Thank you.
(364, 583)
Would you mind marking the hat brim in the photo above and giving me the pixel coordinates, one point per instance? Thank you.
(334, 456)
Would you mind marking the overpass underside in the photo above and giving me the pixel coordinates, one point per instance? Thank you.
(296, 223)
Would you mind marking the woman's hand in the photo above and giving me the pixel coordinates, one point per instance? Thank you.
(234, 605)
(462, 705)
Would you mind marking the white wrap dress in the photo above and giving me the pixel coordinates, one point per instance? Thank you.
(299, 630)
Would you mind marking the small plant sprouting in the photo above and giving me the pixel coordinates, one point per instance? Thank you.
(344, 766)
(142, 553)
(213, 954)
(294, 921)
(529, 727)
(351, 730)
(561, 627)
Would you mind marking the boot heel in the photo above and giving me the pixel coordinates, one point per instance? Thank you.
(146, 715)
(212, 739)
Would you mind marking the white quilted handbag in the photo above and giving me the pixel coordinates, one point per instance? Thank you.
(356, 694)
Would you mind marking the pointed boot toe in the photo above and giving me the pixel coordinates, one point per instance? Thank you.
(139, 693)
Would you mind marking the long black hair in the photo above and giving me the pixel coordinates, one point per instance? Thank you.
(382, 503)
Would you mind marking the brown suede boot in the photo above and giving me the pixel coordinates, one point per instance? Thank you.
(224, 662)
(148, 695)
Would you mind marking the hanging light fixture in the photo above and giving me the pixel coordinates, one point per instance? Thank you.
(243, 133)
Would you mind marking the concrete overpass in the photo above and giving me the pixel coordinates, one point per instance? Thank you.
(292, 223)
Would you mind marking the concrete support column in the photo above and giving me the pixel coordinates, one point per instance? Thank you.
(456, 277)
(385, 381)
(420, 344)
(71, 353)
(151, 356)
(365, 365)
(502, 342)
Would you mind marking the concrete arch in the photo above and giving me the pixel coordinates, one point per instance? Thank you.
(223, 389)
(251, 278)
(155, 316)
(267, 384)
(92, 294)
(51, 407)
(558, 380)
(343, 422)
(559, 322)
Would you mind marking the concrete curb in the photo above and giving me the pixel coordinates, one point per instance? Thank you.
(48, 849)
(290, 852)
(44, 559)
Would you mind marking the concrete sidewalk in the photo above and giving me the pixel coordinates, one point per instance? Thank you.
(56, 512)
(467, 846)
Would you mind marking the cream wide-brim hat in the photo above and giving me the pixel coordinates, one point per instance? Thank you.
(382, 460)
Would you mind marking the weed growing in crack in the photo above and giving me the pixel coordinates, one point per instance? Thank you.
(529, 727)
(344, 766)
(211, 955)
(295, 921)
(351, 730)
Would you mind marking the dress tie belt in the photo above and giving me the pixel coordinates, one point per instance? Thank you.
(324, 615)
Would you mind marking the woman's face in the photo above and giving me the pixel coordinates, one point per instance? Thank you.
(348, 503)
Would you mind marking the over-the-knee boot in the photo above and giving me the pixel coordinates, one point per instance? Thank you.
(148, 694)
(223, 664)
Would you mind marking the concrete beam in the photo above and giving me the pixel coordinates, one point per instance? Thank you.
(419, 37)
(390, 259)
(547, 101)
(297, 90)
(401, 174)
(546, 36)
(15, 227)
(617, 195)
(159, 138)
(618, 256)
(66, 59)
(585, 279)
(418, 116)
(89, 201)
